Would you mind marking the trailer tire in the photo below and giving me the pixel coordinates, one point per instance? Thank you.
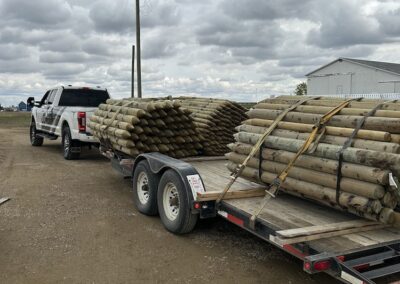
(35, 140)
(145, 189)
(174, 204)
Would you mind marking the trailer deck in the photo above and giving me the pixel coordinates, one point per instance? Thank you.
(349, 248)
(289, 212)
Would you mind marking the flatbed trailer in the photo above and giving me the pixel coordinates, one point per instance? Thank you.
(347, 247)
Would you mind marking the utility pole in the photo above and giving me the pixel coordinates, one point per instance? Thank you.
(138, 69)
(133, 73)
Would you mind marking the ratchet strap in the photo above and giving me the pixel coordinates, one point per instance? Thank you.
(239, 169)
(317, 132)
(347, 144)
(115, 114)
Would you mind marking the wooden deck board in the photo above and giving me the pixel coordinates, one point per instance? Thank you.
(289, 212)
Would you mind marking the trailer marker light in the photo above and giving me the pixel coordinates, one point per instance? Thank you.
(340, 258)
(361, 267)
(307, 266)
(231, 218)
(322, 265)
(235, 220)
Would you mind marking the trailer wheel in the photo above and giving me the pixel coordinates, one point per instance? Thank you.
(145, 189)
(174, 204)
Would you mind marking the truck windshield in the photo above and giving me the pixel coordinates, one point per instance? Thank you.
(83, 97)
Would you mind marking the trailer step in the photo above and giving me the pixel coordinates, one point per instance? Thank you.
(373, 259)
(375, 263)
(380, 272)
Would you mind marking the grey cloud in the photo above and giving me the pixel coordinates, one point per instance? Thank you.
(160, 13)
(66, 70)
(247, 42)
(265, 10)
(158, 45)
(343, 24)
(13, 51)
(299, 61)
(65, 42)
(62, 57)
(19, 65)
(258, 46)
(119, 16)
(38, 12)
(30, 37)
(389, 21)
(97, 46)
(114, 16)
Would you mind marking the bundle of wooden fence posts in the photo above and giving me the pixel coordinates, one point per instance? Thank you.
(178, 127)
(215, 120)
(134, 127)
(364, 187)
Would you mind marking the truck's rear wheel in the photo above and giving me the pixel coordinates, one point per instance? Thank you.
(145, 189)
(68, 144)
(174, 204)
(35, 139)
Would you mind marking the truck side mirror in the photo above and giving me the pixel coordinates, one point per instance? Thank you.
(30, 101)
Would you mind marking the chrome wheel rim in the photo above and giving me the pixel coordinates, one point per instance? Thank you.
(142, 187)
(171, 201)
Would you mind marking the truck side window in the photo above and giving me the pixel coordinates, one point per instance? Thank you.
(51, 96)
(42, 101)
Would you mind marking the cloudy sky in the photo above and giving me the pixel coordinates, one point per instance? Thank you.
(243, 50)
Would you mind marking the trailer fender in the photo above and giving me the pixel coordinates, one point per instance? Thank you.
(190, 177)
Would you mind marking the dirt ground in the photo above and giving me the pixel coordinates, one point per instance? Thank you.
(74, 222)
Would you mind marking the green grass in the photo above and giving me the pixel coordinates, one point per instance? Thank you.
(15, 119)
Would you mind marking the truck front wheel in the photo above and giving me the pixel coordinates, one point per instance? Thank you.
(35, 139)
(145, 189)
(174, 204)
(68, 144)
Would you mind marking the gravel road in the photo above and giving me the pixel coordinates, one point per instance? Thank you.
(74, 222)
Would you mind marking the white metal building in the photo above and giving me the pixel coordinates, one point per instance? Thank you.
(346, 76)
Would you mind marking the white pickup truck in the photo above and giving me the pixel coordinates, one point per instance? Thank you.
(63, 112)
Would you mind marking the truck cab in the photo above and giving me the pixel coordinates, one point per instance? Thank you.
(63, 112)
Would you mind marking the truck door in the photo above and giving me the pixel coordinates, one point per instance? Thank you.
(48, 112)
(40, 112)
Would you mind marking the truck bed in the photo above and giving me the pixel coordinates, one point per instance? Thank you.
(289, 212)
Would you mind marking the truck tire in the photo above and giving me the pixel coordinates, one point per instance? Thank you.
(174, 204)
(145, 189)
(35, 140)
(67, 144)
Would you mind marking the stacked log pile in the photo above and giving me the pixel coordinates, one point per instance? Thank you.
(134, 127)
(373, 156)
(215, 120)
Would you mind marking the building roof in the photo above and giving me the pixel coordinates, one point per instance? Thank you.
(393, 68)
